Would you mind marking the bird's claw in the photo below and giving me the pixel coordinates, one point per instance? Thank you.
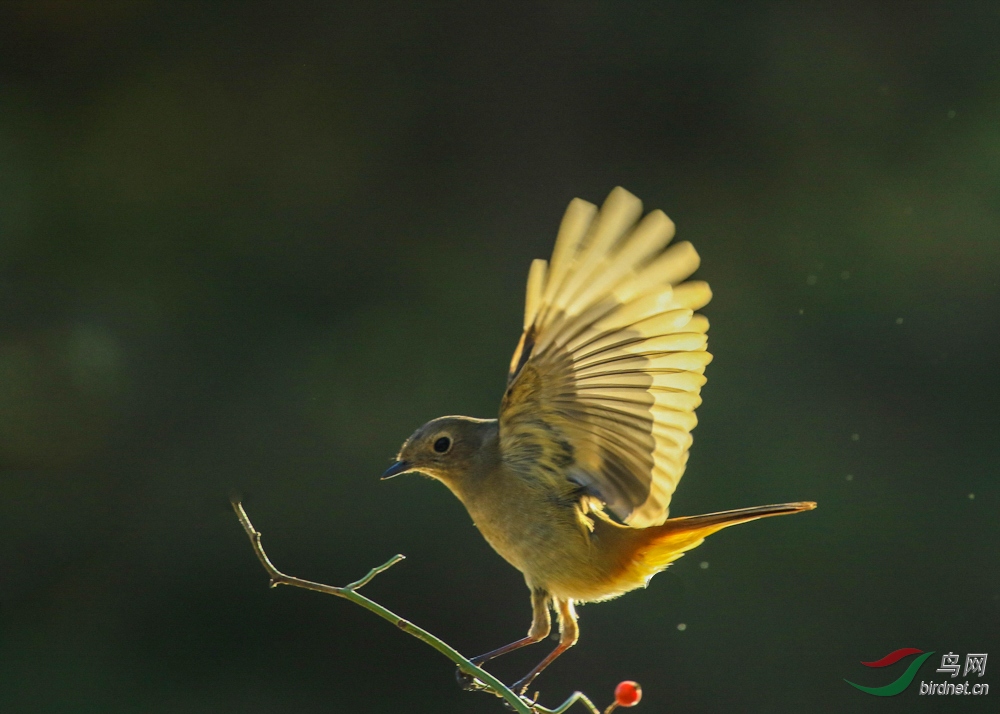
(520, 694)
(521, 686)
(467, 681)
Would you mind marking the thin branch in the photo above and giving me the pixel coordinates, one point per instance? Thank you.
(573, 699)
(350, 592)
(375, 571)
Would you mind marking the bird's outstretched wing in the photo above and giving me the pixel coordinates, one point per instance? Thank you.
(605, 380)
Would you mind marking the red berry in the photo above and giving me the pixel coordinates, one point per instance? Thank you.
(628, 694)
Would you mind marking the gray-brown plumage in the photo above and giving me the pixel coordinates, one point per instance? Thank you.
(572, 484)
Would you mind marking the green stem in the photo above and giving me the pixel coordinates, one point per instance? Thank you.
(350, 592)
(573, 699)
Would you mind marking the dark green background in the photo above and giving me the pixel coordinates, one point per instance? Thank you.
(253, 247)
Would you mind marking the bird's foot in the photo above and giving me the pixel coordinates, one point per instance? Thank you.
(521, 686)
(530, 702)
(467, 681)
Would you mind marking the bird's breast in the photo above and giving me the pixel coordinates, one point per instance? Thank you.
(550, 541)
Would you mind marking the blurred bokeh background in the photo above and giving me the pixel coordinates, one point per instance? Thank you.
(252, 246)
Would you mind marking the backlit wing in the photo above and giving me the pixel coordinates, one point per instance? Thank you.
(605, 380)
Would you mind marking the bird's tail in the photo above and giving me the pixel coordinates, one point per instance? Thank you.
(666, 543)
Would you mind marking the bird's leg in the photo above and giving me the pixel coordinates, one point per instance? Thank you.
(541, 624)
(569, 633)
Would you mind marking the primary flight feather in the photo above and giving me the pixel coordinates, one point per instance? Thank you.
(595, 422)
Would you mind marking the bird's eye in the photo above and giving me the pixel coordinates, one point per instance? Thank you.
(442, 445)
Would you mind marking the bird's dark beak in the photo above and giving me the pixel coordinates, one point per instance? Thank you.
(396, 469)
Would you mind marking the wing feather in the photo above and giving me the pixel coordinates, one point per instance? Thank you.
(575, 223)
(608, 372)
(649, 238)
(533, 297)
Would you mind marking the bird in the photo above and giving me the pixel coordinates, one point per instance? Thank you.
(572, 483)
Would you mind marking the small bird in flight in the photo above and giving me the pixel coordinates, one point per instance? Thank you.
(571, 485)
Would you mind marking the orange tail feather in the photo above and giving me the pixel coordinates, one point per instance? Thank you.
(668, 542)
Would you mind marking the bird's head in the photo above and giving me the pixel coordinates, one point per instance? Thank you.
(449, 449)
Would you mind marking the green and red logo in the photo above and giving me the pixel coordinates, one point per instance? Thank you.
(901, 682)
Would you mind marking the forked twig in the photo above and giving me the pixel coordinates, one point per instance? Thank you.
(350, 592)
